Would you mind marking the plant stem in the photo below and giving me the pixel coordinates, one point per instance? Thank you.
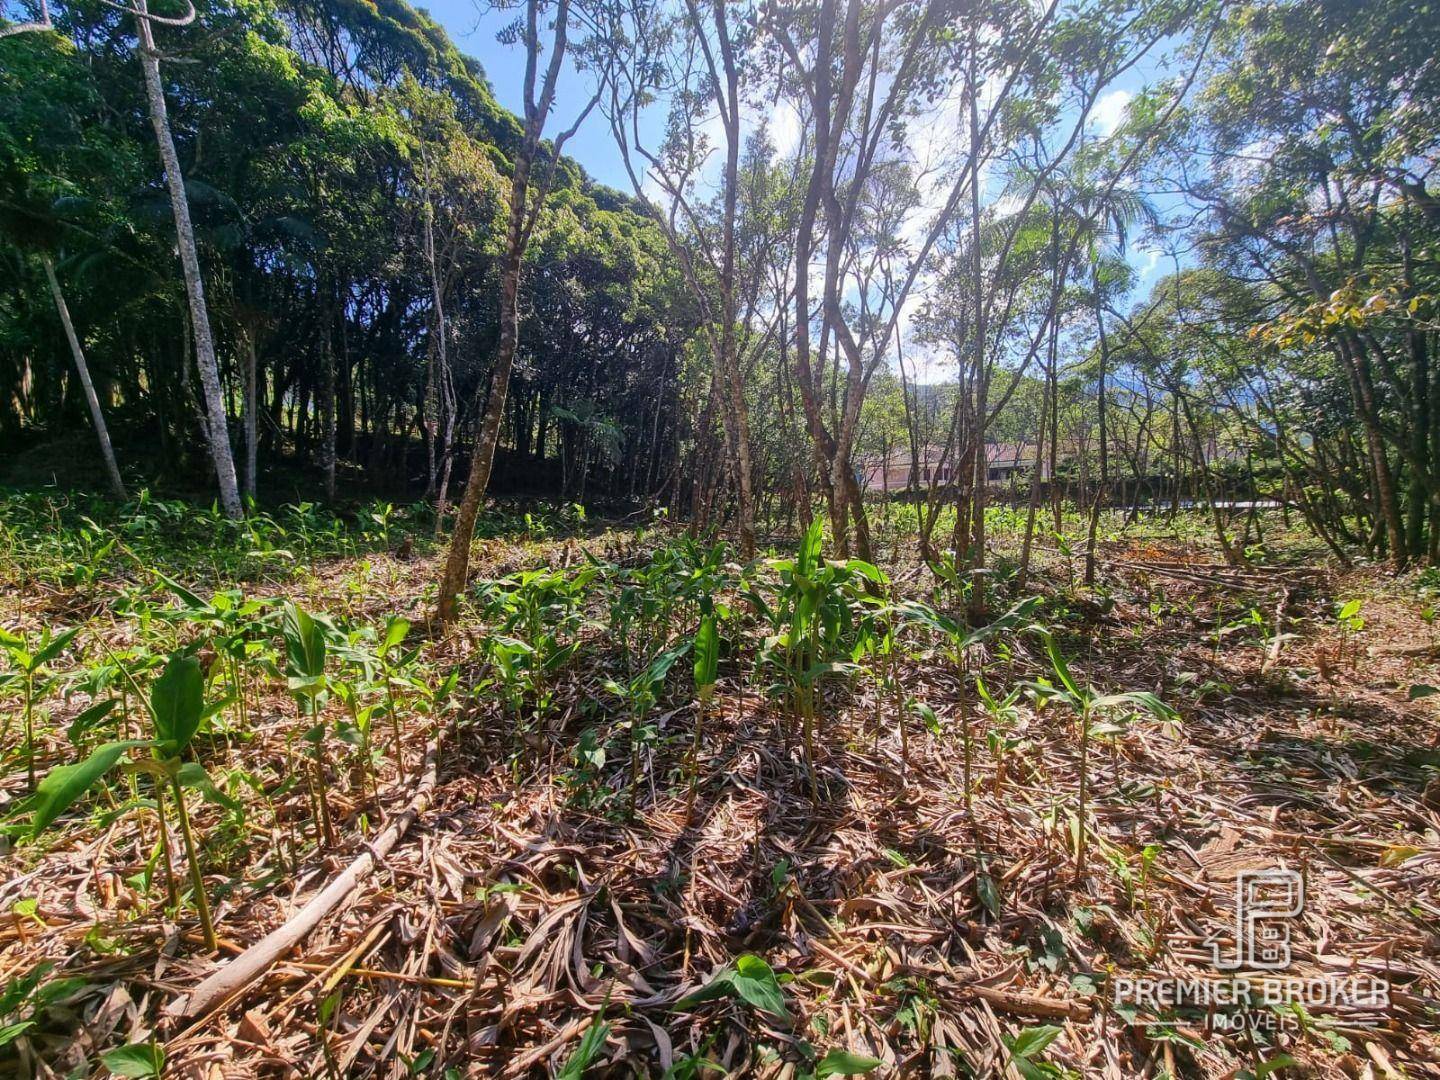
(1080, 843)
(197, 880)
(695, 759)
(172, 893)
(30, 728)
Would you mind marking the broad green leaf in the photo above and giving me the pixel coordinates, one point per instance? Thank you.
(66, 783)
(139, 1060)
(1062, 669)
(660, 666)
(304, 642)
(395, 630)
(989, 894)
(751, 980)
(809, 555)
(867, 570)
(838, 1062)
(1032, 1041)
(190, 599)
(707, 655)
(193, 775)
(177, 701)
(1144, 699)
(1275, 1064)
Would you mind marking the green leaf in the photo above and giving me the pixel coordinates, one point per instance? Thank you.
(1423, 690)
(193, 775)
(177, 701)
(10, 1032)
(52, 649)
(659, 667)
(66, 783)
(989, 894)
(927, 716)
(1032, 1041)
(809, 554)
(1142, 698)
(189, 598)
(89, 718)
(304, 642)
(395, 630)
(137, 1060)
(1062, 669)
(837, 1062)
(707, 655)
(591, 1043)
(751, 980)
(1270, 1065)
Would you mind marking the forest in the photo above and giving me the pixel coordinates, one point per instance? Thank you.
(683, 538)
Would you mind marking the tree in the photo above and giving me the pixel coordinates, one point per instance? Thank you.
(216, 426)
(524, 210)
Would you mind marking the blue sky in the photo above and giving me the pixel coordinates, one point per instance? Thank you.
(473, 30)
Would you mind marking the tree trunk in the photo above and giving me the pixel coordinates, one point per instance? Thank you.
(107, 452)
(252, 377)
(217, 428)
(1102, 488)
(328, 453)
(457, 562)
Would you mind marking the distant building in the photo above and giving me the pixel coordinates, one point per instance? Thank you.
(1004, 461)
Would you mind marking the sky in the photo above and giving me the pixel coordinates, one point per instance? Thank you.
(473, 27)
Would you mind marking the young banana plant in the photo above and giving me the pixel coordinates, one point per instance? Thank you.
(309, 686)
(816, 615)
(960, 638)
(176, 708)
(707, 662)
(35, 680)
(639, 696)
(1087, 705)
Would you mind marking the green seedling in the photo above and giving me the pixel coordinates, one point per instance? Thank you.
(35, 680)
(1087, 706)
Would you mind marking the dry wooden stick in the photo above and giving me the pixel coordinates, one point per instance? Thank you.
(254, 961)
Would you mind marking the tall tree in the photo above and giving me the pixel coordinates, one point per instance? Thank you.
(217, 426)
(525, 207)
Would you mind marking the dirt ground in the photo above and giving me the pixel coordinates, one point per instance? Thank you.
(904, 926)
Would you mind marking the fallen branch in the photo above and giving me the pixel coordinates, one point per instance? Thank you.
(254, 961)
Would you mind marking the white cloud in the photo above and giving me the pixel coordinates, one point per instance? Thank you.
(784, 128)
(1105, 117)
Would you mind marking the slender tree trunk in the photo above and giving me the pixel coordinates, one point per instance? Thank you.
(252, 378)
(457, 563)
(1388, 504)
(107, 452)
(217, 428)
(328, 453)
(1102, 488)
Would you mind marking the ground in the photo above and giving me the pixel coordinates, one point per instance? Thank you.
(559, 903)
